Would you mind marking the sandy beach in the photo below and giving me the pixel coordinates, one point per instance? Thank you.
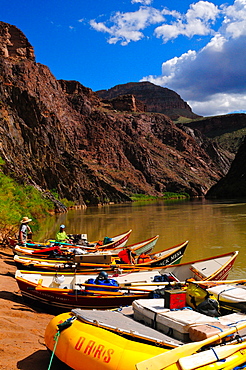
(22, 328)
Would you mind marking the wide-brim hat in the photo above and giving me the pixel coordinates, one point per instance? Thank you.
(26, 219)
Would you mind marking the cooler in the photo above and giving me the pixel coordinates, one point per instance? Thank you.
(175, 299)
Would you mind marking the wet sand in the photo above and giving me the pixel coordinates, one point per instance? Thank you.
(22, 328)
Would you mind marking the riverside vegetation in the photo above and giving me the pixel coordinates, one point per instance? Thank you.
(17, 200)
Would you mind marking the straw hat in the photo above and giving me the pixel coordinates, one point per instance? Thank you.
(25, 220)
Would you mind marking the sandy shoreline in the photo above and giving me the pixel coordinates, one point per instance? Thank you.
(22, 328)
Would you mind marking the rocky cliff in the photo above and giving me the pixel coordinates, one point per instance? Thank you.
(233, 185)
(155, 98)
(58, 135)
(228, 130)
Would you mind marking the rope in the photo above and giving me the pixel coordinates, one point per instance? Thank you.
(64, 325)
(56, 337)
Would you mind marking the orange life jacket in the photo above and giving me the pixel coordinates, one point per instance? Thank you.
(143, 258)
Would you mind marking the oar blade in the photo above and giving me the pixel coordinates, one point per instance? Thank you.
(168, 358)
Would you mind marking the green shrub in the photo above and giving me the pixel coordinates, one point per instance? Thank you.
(166, 196)
(17, 201)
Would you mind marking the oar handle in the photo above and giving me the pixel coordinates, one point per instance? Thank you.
(121, 287)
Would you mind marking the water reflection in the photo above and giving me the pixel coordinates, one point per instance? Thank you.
(211, 227)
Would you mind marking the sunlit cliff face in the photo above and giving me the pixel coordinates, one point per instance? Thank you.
(60, 136)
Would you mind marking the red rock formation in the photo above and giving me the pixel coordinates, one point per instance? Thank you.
(57, 135)
(14, 44)
(125, 103)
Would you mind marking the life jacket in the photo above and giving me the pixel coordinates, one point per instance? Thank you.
(124, 256)
(143, 258)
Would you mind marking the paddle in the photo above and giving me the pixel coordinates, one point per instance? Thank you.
(168, 358)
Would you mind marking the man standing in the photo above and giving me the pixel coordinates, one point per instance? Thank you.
(24, 229)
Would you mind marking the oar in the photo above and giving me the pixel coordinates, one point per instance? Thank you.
(103, 292)
(219, 281)
(155, 284)
(200, 282)
(210, 356)
(168, 358)
(114, 287)
(39, 287)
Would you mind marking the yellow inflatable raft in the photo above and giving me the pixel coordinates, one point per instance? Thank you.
(88, 347)
(85, 345)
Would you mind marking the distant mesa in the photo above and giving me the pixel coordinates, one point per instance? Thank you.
(154, 99)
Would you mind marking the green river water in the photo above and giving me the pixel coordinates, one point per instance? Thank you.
(212, 227)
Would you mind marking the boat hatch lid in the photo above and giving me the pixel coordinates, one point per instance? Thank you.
(124, 325)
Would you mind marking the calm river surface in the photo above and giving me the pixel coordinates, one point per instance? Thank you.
(212, 227)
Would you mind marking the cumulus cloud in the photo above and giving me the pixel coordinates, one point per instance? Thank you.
(127, 27)
(144, 2)
(197, 21)
(219, 104)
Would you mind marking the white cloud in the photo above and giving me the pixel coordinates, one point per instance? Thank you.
(127, 27)
(234, 24)
(197, 21)
(219, 104)
(144, 2)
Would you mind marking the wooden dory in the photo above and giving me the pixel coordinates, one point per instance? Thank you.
(165, 257)
(117, 241)
(144, 246)
(61, 292)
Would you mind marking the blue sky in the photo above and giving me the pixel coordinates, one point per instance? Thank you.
(194, 48)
